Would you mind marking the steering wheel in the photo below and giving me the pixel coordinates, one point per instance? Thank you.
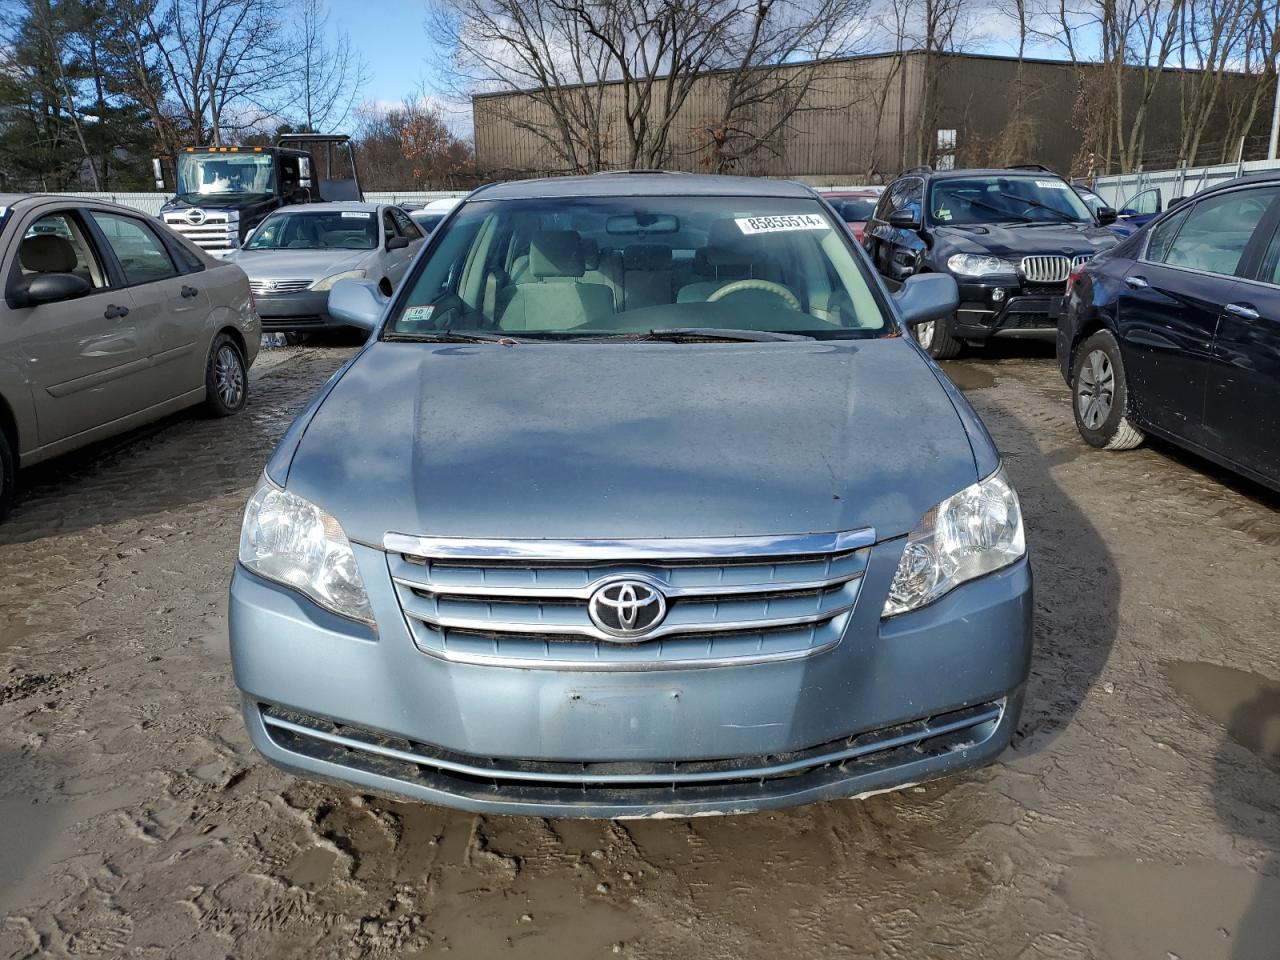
(765, 286)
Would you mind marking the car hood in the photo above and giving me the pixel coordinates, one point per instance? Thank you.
(630, 440)
(298, 264)
(1025, 240)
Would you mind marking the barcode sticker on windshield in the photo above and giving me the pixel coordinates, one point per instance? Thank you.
(356, 215)
(779, 224)
(1051, 184)
(419, 313)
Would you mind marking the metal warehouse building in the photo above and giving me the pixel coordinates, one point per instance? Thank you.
(866, 118)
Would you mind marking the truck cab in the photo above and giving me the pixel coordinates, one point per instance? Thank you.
(223, 192)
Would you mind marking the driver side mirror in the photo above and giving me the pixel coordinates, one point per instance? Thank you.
(357, 302)
(1106, 215)
(904, 219)
(397, 243)
(54, 288)
(927, 296)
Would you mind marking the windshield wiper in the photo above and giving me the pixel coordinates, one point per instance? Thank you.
(991, 206)
(457, 336)
(678, 334)
(1062, 217)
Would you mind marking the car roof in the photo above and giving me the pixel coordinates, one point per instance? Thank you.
(850, 193)
(1016, 172)
(348, 205)
(641, 184)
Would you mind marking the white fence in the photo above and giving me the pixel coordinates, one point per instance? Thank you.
(152, 202)
(1182, 182)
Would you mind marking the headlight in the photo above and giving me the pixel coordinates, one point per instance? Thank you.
(975, 532)
(293, 542)
(976, 265)
(328, 282)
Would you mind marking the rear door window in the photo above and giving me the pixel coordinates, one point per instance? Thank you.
(1216, 232)
(142, 255)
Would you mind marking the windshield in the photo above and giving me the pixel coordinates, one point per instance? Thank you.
(854, 209)
(1005, 199)
(316, 230)
(203, 174)
(626, 266)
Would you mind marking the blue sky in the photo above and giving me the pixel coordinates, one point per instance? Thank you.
(392, 37)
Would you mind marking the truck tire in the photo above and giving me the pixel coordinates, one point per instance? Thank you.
(1100, 394)
(226, 380)
(936, 338)
(8, 476)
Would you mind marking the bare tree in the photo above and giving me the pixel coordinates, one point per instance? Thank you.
(329, 73)
(774, 79)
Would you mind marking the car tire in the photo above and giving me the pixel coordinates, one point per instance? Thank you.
(1100, 394)
(226, 379)
(937, 338)
(8, 476)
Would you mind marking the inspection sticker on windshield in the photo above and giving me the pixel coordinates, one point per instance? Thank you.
(419, 313)
(780, 224)
(1051, 184)
(356, 215)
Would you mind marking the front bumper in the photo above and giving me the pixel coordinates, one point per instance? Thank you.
(897, 702)
(307, 310)
(1021, 309)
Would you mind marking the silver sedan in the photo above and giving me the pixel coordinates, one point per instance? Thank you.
(299, 252)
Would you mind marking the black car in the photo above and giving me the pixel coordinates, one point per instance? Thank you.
(1176, 332)
(1010, 238)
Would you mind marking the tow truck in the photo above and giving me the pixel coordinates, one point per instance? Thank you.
(223, 192)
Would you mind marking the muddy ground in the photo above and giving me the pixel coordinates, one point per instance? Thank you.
(1136, 817)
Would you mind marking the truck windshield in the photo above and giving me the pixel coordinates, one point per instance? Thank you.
(638, 266)
(1004, 199)
(206, 174)
(316, 230)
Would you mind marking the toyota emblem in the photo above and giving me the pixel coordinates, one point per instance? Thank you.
(627, 609)
(195, 216)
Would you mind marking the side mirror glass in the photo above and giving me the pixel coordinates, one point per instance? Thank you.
(357, 302)
(927, 296)
(397, 243)
(1107, 215)
(904, 219)
(55, 287)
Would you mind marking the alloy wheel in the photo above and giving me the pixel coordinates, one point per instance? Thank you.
(1095, 389)
(228, 376)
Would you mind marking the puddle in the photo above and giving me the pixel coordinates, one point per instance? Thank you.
(1192, 911)
(311, 867)
(1246, 704)
(38, 835)
(967, 376)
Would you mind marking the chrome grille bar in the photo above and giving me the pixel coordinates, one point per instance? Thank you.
(1046, 269)
(279, 286)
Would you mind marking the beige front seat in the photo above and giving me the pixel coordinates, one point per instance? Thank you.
(553, 295)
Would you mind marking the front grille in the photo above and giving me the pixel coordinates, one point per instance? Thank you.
(1052, 269)
(729, 601)
(267, 288)
(217, 234)
(532, 781)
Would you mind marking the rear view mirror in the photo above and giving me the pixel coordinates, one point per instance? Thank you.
(55, 287)
(927, 296)
(357, 302)
(645, 223)
(1106, 215)
(904, 219)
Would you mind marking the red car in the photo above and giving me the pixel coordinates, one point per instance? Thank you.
(854, 206)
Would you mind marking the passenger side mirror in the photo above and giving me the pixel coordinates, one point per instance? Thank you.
(357, 302)
(904, 219)
(1106, 215)
(925, 297)
(300, 195)
(55, 287)
(397, 243)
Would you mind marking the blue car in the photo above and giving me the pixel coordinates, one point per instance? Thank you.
(1175, 332)
(639, 501)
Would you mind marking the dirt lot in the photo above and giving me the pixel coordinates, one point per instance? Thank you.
(1137, 816)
